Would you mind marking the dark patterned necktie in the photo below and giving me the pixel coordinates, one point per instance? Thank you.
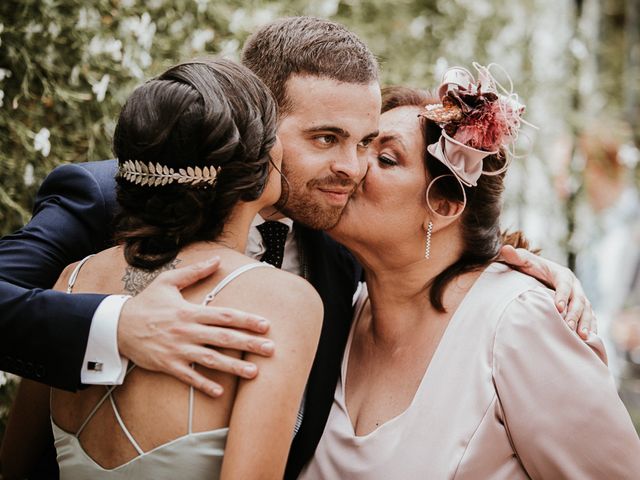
(274, 236)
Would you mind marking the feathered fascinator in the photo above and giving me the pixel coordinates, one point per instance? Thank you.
(477, 117)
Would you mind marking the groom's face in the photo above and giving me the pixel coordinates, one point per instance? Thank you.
(325, 133)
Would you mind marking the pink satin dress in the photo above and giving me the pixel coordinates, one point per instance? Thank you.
(510, 393)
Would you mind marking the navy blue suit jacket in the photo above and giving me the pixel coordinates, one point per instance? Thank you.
(43, 334)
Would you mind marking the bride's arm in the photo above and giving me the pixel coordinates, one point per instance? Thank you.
(265, 409)
(559, 402)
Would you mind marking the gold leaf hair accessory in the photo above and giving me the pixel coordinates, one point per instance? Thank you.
(154, 175)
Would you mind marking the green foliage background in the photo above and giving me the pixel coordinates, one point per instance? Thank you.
(66, 67)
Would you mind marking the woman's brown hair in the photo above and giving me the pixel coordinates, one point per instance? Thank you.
(209, 112)
(480, 220)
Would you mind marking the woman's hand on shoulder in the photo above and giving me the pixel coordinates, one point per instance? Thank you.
(570, 298)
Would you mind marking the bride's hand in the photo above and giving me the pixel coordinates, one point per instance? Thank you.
(570, 298)
(160, 331)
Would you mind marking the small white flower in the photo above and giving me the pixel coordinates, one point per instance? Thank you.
(109, 46)
(202, 5)
(200, 38)
(100, 88)
(230, 49)
(33, 28)
(130, 64)
(88, 19)
(265, 15)
(127, 3)
(440, 67)
(29, 179)
(238, 20)
(154, 4)
(326, 8)
(417, 27)
(4, 73)
(145, 59)
(41, 142)
(54, 29)
(629, 155)
(142, 28)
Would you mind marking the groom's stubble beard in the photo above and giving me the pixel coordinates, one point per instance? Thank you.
(298, 202)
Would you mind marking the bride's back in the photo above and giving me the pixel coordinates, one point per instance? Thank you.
(153, 407)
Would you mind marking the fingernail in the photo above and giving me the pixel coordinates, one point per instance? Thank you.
(216, 391)
(213, 260)
(263, 324)
(585, 330)
(572, 324)
(249, 370)
(267, 347)
(561, 305)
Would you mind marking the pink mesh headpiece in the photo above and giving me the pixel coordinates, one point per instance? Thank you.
(477, 117)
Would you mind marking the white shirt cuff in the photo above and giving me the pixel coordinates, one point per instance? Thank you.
(102, 364)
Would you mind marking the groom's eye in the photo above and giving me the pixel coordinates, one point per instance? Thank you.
(326, 139)
(365, 143)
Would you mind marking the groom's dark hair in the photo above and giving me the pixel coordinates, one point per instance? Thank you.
(311, 46)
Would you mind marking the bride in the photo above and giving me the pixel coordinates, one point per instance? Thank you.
(198, 159)
(456, 366)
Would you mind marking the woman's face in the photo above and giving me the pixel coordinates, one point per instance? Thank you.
(388, 209)
(273, 188)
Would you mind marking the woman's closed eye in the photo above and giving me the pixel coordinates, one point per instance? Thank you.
(387, 160)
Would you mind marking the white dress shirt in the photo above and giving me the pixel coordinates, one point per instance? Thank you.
(103, 364)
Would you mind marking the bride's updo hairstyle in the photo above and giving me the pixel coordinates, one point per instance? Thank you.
(480, 220)
(209, 113)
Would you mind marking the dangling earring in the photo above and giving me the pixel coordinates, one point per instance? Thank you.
(427, 250)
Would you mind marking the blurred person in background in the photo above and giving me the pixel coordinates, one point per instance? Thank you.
(608, 259)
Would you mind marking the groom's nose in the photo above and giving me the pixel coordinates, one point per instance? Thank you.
(350, 165)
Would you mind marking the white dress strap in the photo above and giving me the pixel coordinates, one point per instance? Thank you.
(108, 393)
(123, 426)
(76, 271)
(210, 296)
(232, 276)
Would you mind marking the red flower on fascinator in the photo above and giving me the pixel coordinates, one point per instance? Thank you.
(487, 119)
(477, 119)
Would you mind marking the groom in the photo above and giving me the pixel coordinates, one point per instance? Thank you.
(325, 81)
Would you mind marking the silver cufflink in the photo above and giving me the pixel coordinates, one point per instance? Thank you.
(94, 366)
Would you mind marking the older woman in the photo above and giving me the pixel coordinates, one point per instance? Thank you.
(198, 159)
(457, 367)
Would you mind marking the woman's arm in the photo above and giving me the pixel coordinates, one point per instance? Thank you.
(559, 401)
(265, 409)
